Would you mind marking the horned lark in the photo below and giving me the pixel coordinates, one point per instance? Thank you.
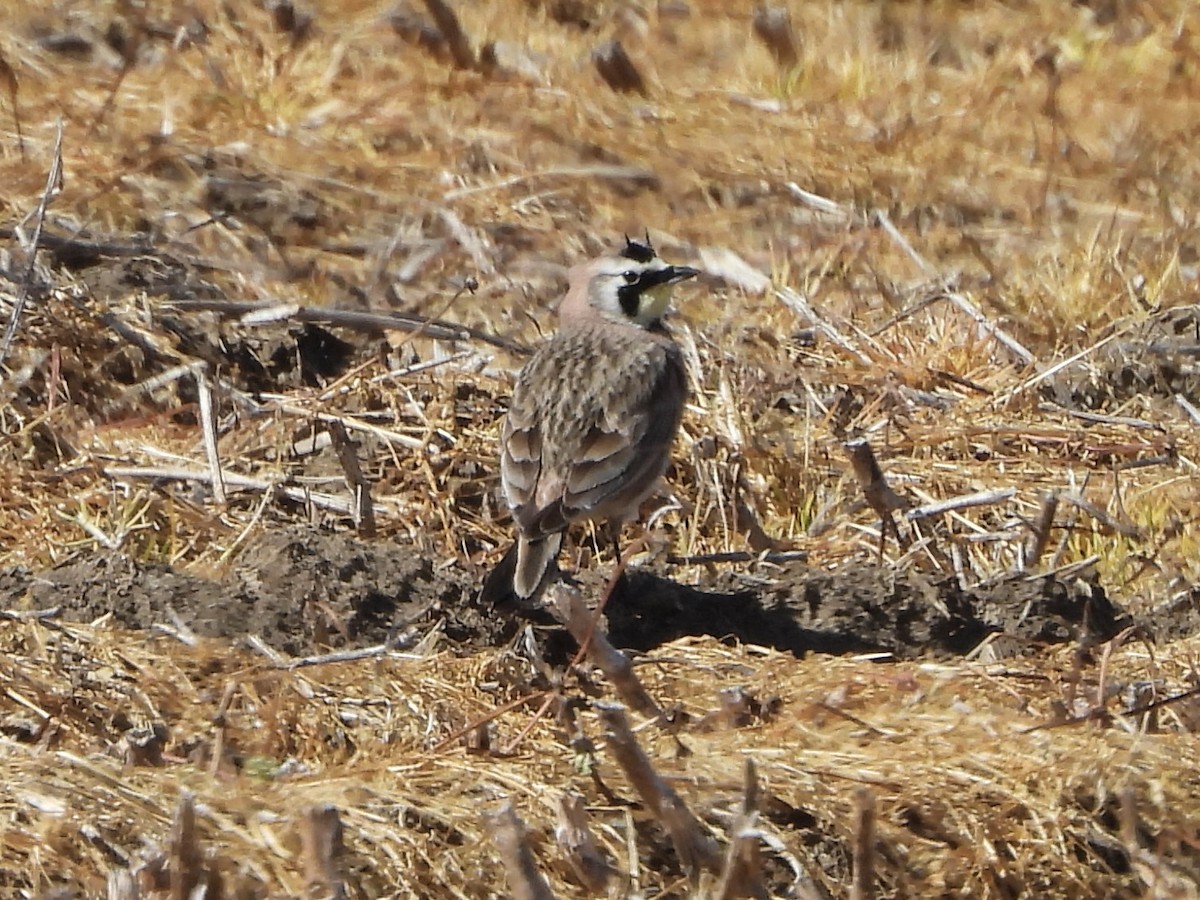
(593, 414)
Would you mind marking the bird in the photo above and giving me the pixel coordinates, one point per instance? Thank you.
(593, 415)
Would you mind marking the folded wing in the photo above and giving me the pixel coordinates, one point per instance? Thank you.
(562, 463)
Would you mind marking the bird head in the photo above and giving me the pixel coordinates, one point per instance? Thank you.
(633, 287)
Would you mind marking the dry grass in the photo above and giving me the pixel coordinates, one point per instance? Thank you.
(1034, 158)
(972, 798)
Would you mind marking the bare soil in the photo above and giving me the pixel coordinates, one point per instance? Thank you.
(303, 591)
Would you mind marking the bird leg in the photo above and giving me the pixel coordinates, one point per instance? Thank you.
(612, 534)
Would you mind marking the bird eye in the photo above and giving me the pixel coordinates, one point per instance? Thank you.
(630, 277)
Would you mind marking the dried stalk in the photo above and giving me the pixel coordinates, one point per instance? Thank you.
(966, 501)
(568, 606)
(1051, 371)
(1015, 347)
(743, 874)
(299, 495)
(507, 831)
(1041, 529)
(456, 39)
(1102, 516)
(799, 304)
(186, 861)
(270, 311)
(321, 849)
(879, 495)
(959, 300)
(54, 183)
(219, 728)
(738, 556)
(696, 850)
(1100, 418)
(863, 886)
(590, 864)
(587, 628)
(820, 204)
(884, 221)
(363, 513)
(208, 427)
(1188, 407)
(375, 651)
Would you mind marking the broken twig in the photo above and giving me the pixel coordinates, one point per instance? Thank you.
(966, 501)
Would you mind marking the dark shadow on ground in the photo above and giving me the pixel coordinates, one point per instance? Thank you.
(861, 610)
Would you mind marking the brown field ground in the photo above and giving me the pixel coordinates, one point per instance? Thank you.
(264, 327)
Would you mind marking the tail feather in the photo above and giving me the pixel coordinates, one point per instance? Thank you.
(522, 571)
(535, 559)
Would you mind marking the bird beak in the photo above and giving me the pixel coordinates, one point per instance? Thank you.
(676, 274)
(668, 275)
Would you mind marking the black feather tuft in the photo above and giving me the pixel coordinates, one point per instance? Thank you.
(642, 253)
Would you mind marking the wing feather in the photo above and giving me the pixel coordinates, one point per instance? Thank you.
(520, 462)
